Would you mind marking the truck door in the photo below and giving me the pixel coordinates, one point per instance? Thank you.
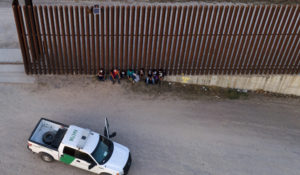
(79, 159)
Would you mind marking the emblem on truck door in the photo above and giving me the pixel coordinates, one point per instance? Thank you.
(73, 135)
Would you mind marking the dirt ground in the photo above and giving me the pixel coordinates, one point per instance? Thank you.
(168, 130)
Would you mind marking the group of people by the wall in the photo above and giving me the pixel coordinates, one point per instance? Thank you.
(152, 76)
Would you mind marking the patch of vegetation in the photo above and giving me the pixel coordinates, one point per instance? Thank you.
(185, 91)
(234, 94)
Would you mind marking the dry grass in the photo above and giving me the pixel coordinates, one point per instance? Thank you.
(194, 92)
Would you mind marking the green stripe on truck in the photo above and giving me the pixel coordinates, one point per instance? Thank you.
(66, 159)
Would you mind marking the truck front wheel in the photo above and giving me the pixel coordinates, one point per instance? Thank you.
(46, 157)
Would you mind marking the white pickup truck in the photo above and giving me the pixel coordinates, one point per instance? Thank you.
(80, 147)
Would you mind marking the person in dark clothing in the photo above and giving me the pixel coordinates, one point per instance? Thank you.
(114, 75)
(150, 78)
(123, 74)
(155, 76)
(101, 75)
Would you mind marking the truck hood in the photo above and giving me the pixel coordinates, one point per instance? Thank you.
(118, 158)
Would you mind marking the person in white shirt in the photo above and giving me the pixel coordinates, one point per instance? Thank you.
(136, 78)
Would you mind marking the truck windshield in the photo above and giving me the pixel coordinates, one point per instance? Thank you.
(103, 150)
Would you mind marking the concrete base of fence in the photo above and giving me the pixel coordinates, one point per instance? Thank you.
(10, 56)
(284, 84)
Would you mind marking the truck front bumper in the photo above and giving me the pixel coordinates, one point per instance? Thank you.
(127, 165)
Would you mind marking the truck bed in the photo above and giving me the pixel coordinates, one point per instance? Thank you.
(45, 125)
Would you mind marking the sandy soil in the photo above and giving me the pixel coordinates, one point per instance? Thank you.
(168, 132)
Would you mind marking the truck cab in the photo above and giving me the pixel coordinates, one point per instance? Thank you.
(80, 147)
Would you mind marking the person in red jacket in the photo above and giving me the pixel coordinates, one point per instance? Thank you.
(114, 75)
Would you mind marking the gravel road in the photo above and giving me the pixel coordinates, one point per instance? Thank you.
(167, 134)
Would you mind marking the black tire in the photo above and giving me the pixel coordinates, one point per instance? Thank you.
(49, 137)
(46, 157)
(105, 174)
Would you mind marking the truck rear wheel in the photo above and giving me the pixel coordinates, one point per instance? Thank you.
(46, 157)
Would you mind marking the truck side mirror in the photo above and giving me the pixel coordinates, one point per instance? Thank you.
(105, 132)
(113, 135)
(106, 128)
(92, 165)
